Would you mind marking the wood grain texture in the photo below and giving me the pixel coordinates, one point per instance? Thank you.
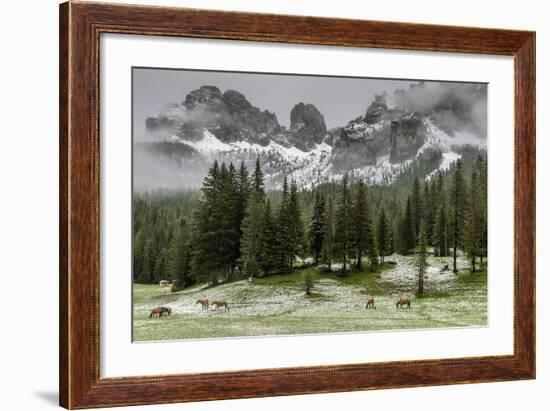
(80, 27)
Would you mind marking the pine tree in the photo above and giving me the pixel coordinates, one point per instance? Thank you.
(243, 193)
(342, 235)
(474, 224)
(284, 252)
(407, 233)
(417, 207)
(139, 248)
(421, 262)
(441, 229)
(383, 235)
(159, 272)
(372, 249)
(430, 204)
(328, 244)
(482, 169)
(148, 266)
(179, 256)
(209, 256)
(296, 224)
(258, 185)
(458, 206)
(251, 228)
(318, 227)
(361, 229)
(269, 242)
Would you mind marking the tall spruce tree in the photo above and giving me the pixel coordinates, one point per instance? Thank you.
(284, 230)
(474, 225)
(407, 231)
(361, 228)
(210, 246)
(481, 165)
(342, 234)
(251, 228)
(441, 229)
(417, 207)
(420, 260)
(317, 227)
(258, 184)
(458, 206)
(243, 193)
(269, 242)
(296, 224)
(179, 256)
(328, 244)
(383, 235)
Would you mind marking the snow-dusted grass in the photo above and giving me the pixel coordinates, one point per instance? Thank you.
(278, 304)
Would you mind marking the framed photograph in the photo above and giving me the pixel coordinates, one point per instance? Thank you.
(259, 205)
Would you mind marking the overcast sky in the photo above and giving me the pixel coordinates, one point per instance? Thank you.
(339, 99)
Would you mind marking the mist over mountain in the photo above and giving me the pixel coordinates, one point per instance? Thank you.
(183, 138)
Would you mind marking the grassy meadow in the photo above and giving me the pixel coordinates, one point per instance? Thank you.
(279, 305)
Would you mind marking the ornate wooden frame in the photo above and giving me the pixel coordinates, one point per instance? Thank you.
(80, 27)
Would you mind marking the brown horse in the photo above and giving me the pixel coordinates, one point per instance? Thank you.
(403, 302)
(220, 304)
(160, 311)
(203, 303)
(370, 303)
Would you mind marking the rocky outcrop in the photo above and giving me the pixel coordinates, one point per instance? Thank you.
(307, 126)
(228, 116)
(377, 109)
(406, 137)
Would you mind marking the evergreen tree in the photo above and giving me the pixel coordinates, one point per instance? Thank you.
(269, 243)
(383, 234)
(243, 193)
(160, 271)
(361, 228)
(258, 185)
(458, 207)
(284, 230)
(474, 224)
(139, 249)
(328, 244)
(179, 256)
(430, 204)
(318, 227)
(372, 249)
(481, 165)
(210, 246)
(148, 265)
(342, 234)
(417, 207)
(296, 224)
(251, 228)
(407, 241)
(441, 229)
(421, 262)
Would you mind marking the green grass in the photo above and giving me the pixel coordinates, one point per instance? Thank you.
(278, 304)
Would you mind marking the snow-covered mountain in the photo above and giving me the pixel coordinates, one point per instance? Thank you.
(395, 130)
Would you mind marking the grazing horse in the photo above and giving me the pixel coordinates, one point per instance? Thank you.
(159, 312)
(370, 303)
(163, 283)
(204, 304)
(403, 302)
(220, 304)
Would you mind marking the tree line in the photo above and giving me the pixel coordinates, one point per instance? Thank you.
(235, 228)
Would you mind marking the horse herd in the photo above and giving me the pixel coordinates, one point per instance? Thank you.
(158, 312)
(205, 305)
(401, 303)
